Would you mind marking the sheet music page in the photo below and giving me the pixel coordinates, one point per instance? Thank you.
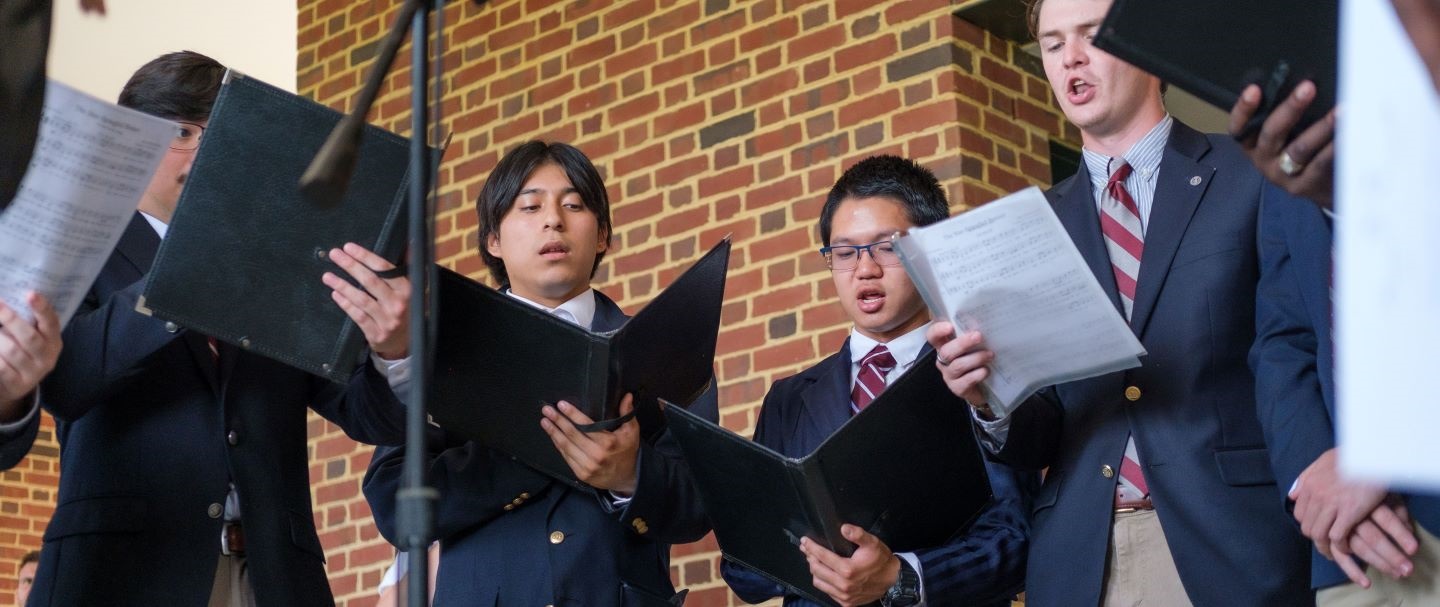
(92, 162)
(1009, 270)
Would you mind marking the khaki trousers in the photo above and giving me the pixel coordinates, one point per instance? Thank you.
(1419, 589)
(232, 584)
(1141, 571)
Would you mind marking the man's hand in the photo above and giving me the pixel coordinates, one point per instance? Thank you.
(1385, 539)
(604, 460)
(1327, 506)
(28, 351)
(381, 309)
(962, 361)
(1304, 167)
(859, 580)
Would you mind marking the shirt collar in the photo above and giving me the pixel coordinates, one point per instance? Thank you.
(905, 348)
(160, 227)
(581, 307)
(1144, 156)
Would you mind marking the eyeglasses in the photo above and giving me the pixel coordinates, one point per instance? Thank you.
(189, 137)
(842, 258)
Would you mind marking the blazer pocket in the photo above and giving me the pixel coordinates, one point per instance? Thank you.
(1245, 467)
(302, 534)
(1185, 258)
(104, 514)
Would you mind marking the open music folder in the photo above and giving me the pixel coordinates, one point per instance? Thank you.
(1215, 48)
(244, 253)
(907, 469)
(499, 360)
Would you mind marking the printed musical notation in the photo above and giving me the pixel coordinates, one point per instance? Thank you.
(92, 162)
(1009, 270)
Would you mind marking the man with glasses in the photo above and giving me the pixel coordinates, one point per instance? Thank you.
(185, 475)
(872, 201)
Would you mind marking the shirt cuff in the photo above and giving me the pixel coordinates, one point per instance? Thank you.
(24, 420)
(914, 562)
(396, 372)
(993, 432)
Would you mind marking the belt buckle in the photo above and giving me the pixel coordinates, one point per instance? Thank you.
(1126, 510)
(225, 534)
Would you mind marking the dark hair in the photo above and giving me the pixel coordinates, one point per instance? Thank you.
(508, 178)
(32, 556)
(177, 86)
(899, 179)
(1032, 17)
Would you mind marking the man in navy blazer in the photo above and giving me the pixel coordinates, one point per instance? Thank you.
(28, 350)
(1159, 488)
(1294, 359)
(510, 535)
(184, 471)
(873, 200)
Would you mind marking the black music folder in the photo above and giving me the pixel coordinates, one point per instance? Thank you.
(907, 469)
(1215, 48)
(244, 253)
(499, 360)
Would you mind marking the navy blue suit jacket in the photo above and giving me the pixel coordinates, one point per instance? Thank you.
(1199, 440)
(510, 535)
(151, 433)
(16, 443)
(1294, 353)
(984, 565)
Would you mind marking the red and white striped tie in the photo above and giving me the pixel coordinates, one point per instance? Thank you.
(1125, 241)
(870, 381)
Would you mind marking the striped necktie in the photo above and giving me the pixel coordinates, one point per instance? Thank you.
(1125, 241)
(870, 381)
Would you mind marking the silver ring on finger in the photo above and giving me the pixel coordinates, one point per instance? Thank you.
(1288, 165)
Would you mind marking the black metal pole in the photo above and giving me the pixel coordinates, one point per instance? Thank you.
(415, 499)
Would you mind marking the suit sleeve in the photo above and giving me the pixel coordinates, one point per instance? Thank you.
(1034, 437)
(475, 484)
(749, 585)
(365, 407)
(666, 506)
(16, 438)
(1288, 398)
(986, 564)
(107, 344)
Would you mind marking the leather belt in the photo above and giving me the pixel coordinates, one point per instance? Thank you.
(1143, 503)
(232, 539)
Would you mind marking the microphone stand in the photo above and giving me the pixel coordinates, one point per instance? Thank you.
(326, 180)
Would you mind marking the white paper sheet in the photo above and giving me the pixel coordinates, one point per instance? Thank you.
(1009, 270)
(92, 162)
(1387, 253)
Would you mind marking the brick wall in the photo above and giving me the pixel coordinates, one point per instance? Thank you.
(706, 117)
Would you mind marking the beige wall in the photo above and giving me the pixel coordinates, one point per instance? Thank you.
(97, 54)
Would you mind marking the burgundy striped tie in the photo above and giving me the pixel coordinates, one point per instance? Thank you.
(1125, 241)
(870, 381)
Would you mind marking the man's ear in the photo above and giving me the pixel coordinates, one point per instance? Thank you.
(604, 243)
(492, 245)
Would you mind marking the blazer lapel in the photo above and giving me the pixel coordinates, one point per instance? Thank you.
(1178, 190)
(1075, 206)
(826, 402)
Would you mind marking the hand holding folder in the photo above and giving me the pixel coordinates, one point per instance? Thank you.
(906, 469)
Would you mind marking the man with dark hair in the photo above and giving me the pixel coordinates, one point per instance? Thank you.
(185, 479)
(1159, 489)
(25, 576)
(510, 535)
(28, 350)
(873, 200)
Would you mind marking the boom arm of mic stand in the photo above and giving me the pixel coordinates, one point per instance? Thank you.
(328, 175)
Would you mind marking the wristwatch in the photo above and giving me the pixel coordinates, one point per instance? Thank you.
(906, 591)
